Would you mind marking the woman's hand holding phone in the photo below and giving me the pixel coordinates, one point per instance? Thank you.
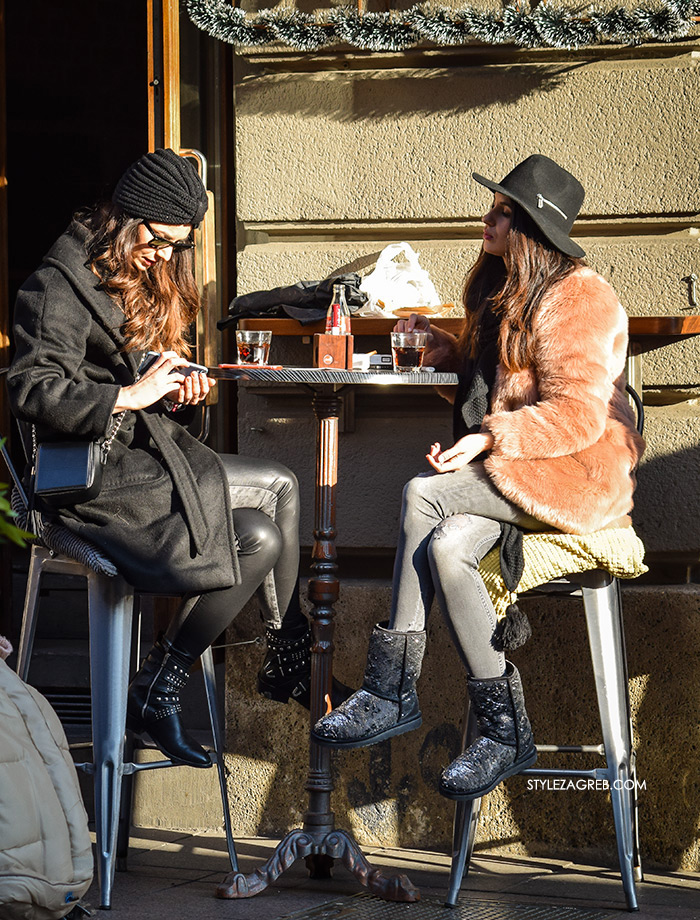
(169, 375)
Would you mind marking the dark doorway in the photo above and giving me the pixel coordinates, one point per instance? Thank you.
(76, 89)
(76, 114)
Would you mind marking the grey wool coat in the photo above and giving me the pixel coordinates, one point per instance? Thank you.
(163, 515)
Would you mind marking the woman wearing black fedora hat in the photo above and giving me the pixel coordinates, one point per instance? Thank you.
(173, 516)
(544, 440)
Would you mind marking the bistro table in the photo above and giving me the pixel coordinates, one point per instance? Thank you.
(319, 841)
(646, 333)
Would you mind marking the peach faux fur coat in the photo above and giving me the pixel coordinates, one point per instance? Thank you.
(565, 445)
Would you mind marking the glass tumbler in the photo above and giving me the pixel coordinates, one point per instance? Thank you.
(253, 346)
(407, 351)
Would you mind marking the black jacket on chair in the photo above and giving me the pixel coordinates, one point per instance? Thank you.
(163, 515)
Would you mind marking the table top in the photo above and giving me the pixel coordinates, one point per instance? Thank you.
(311, 375)
(369, 325)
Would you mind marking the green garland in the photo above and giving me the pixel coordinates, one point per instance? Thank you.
(547, 26)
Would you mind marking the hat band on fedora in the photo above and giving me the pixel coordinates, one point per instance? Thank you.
(542, 201)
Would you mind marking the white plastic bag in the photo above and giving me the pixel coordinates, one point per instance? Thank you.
(397, 282)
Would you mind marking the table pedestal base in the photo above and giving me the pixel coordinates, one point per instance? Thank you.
(335, 845)
(318, 841)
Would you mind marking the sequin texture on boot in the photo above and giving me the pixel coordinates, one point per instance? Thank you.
(504, 746)
(387, 703)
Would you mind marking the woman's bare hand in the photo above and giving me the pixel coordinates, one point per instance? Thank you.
(193, 389)
(460, 454)
(441, 347)
(416, 322)
(159, 381)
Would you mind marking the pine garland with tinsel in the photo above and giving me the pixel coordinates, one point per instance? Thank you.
(547, 26)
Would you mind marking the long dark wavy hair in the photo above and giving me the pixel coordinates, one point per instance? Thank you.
(514, 286)
(159, 304)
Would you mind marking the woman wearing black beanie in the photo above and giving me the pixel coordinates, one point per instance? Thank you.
(173, 516)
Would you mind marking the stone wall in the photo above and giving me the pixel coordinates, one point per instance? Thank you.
(338, 154)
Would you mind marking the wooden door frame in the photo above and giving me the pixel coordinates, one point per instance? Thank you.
(163, 74)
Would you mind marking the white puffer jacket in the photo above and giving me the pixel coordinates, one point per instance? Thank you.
(45, 853)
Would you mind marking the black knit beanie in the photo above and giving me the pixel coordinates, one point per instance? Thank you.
(163, 187)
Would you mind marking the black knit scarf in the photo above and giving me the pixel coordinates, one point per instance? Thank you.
(477, 379)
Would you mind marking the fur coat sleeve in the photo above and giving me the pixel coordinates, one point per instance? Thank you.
(565, 445)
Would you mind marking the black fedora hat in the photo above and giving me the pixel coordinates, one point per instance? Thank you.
(548, 193)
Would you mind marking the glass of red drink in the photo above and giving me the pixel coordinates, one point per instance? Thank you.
(407, 350)
(253, 346)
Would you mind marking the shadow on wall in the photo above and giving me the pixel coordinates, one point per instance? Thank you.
(362, 96)
(667, 500)
(387, 794)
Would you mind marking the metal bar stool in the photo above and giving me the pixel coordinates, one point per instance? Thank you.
(111, 615)
(606, 637)
(603, 610)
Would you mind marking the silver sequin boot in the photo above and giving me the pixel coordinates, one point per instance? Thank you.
(504, 746)
(387, 703)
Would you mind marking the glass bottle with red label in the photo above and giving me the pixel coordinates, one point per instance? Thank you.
(338, 316)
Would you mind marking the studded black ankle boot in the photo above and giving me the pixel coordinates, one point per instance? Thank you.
(153, 704)
(286, 671)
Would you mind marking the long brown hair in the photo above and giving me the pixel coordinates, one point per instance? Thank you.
(514, 286)
(159, 304)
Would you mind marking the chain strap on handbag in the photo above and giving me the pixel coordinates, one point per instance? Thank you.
(70, 472)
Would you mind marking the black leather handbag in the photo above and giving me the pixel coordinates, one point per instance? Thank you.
(70, 472)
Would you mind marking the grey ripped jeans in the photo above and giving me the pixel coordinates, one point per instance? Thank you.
(449, 521)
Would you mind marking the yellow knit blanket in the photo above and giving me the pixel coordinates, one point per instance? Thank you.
(551, 555)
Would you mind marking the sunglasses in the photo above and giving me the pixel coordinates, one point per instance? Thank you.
(159, 242)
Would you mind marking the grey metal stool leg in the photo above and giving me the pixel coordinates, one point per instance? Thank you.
(29, 616)
(125, 808)
(40, 560)
(637, 862)
(111, 604)
(466, 820)
(111, 609)
(212, 703)
(463, 836)
(607, 643)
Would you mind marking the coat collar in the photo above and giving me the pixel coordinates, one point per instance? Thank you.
(69, 256)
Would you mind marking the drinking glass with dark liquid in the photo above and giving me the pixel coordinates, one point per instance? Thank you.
(253, 346)
(407, 350)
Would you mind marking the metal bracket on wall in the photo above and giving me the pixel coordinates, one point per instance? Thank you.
(691, 280)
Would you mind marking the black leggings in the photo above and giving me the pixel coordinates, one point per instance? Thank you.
(265, 499)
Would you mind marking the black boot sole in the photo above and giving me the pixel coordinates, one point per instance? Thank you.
(134, 726)
(279, 693)
(401, 729)
(517, 767)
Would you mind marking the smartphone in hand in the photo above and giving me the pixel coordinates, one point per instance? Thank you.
(151, 357)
